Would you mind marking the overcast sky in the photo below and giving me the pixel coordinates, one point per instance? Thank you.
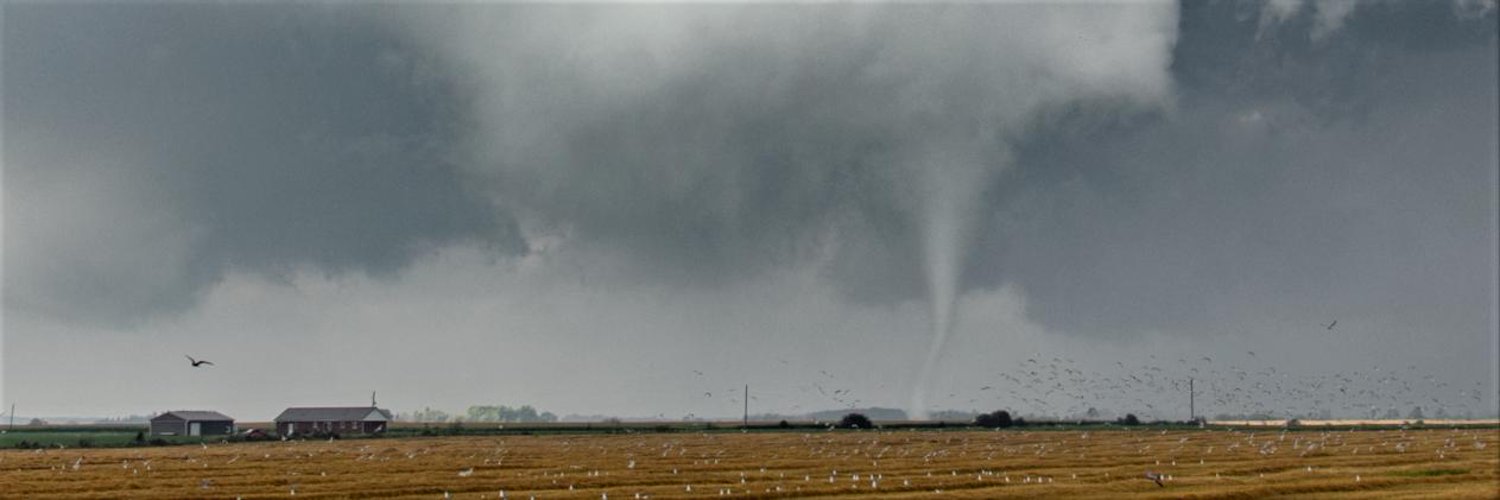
(637, 209)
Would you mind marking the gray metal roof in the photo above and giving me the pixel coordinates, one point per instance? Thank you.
(198, 416)
(332, 414)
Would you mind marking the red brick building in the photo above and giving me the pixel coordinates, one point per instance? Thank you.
(333, 420)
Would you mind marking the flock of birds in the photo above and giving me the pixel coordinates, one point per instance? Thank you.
(1062, 389)
(1157, 387)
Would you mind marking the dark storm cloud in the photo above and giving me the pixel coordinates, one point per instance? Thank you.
(705, 145)
(217, 138)
(709, 144)
(1347, 175)
(1283, 183)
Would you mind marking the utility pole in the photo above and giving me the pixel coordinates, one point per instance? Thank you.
(1192, 411)
(747, 406)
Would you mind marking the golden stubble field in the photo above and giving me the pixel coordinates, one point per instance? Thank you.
(1213, 463)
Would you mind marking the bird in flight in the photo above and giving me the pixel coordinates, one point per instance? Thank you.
(1154, 476)
(1330, 325)
(197, 362)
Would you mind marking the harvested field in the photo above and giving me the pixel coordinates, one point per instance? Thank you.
(1214, 463)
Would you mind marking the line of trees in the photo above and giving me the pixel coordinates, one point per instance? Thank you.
(482, 413)
(998, 419)
(503, 413)
(854, 421)
(1002, 419)
(425, 415)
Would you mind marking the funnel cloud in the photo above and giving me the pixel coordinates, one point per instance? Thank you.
(924, 101)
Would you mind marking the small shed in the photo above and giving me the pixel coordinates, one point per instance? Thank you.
(333, 420)
(192, 423)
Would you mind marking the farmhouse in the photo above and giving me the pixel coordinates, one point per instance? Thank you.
(336, 420)
(192, 423)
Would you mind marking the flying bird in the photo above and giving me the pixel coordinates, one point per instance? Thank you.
(1154, 476)
(196, 363)
(1330, 325)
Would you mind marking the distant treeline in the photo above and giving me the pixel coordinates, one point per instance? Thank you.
(500, 413)
(874, 413)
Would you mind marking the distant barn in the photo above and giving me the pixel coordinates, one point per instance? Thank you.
(192, 423)
(340, 420)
